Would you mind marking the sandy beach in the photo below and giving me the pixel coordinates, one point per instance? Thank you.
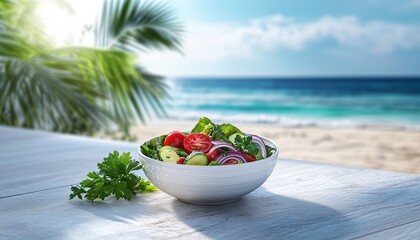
(379, 148)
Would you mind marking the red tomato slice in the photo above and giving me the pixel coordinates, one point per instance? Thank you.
(212, 155)
(249, 157)
(230, 162)
(197, 142)
(175, 139)
(181, 160)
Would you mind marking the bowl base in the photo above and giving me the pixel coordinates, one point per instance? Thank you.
(206, 203)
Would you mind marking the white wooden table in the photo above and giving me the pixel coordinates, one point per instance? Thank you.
(300, 200)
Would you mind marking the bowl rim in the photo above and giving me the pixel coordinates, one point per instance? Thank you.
(155, 161)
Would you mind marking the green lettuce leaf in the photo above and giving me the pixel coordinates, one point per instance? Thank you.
(204, 125)
(216, 132)
(228, 129)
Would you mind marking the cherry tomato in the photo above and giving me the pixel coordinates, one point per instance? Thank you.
(174, 139)
(230, 162)
(212, 155)
(249, 157)
(181, 160)
(197, 142)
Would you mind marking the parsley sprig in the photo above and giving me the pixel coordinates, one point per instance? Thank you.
(114, 177)
(244, 144)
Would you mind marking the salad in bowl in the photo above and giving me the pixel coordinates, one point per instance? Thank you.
(212, 164)
(208, 144)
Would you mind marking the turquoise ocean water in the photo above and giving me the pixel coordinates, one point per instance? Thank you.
(299, 101)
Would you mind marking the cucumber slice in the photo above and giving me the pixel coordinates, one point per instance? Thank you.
(232, 137)
(169, 154)
(196, 158)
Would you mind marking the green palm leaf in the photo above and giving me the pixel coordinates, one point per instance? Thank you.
(48, 97)
(133, 26)
(83, 89)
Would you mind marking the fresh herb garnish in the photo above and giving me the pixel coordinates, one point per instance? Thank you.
(151, 148)
(114, 177)
(150, 151)
(217, 134)
(244, 144)
(270, 150)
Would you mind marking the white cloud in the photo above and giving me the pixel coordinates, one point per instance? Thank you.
(205, 42)
(283, 32)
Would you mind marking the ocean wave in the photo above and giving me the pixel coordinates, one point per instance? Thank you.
(273, 99)
(287, 121)
(294, 102)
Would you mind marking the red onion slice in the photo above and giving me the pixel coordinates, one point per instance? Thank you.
(232, 155)
(217, 142)
(221, 145)
(260, 144)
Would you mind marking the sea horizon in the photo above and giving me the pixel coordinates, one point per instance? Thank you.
(329, 101)
(327, 76)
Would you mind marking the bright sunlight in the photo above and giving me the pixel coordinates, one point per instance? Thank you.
(59, 22)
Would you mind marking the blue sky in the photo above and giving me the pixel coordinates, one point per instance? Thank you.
(294, 38)
(288, 38)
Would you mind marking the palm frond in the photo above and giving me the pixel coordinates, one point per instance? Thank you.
(36, 94)
(133, 26)
(13, 45)
(129, 89)
(83, 89)
(20, 15)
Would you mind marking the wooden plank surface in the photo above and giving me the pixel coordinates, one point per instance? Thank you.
(34, 160)
(299, 200)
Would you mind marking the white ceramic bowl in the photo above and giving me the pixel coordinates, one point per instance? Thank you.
(209, 185)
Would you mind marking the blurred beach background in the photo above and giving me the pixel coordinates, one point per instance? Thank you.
(333, 82)
(371, 122)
